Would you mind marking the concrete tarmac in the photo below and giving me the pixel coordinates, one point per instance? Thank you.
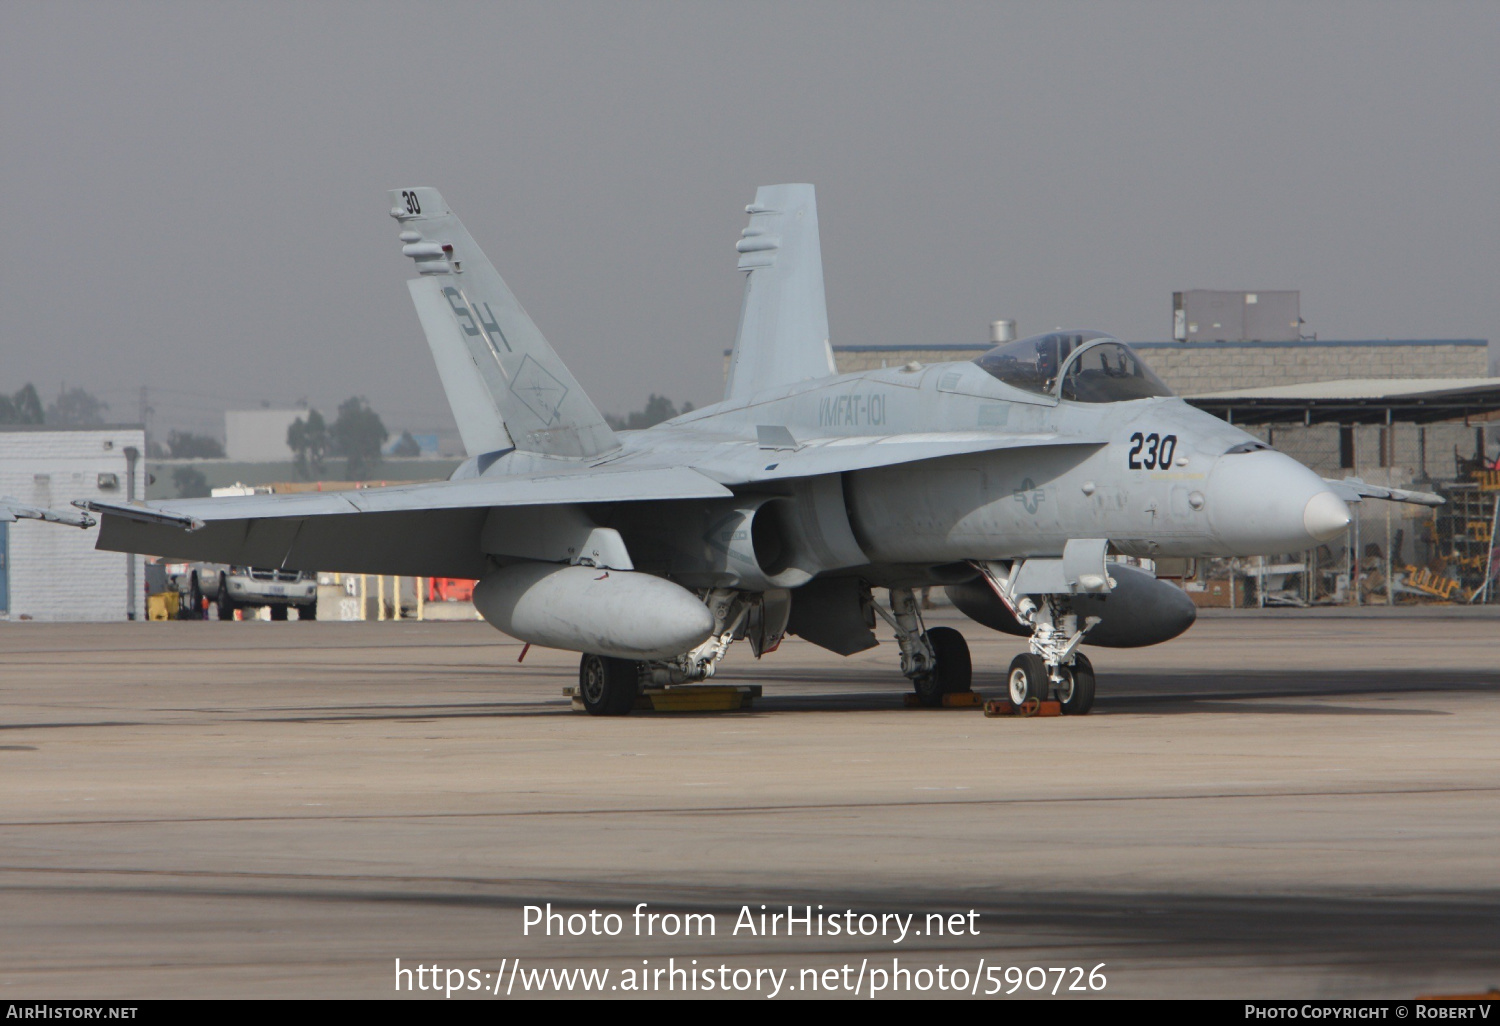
(1267, 806)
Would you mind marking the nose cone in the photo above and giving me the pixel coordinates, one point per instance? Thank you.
(1264, 503)
(1325, 516)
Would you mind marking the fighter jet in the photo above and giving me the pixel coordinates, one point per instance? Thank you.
(1012, 481)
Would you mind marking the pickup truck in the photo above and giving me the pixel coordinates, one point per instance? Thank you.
(243, 587)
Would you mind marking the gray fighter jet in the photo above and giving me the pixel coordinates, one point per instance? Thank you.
(1010, 481)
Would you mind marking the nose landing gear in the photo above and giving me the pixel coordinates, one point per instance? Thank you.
(1072, 686)
(1053, 666)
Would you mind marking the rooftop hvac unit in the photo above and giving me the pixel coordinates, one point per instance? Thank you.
(1209, 315)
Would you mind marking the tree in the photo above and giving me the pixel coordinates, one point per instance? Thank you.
(658, 408)
(187, 446)
(309, 440)
(76, 407)
(406, 445)
(357, 435)
(28, 405)
(191, 484)
(25, 407)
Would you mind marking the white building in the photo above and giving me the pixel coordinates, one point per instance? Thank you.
(50, 571)
(258, 436)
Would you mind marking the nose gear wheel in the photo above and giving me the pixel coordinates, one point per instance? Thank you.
(1027, 679)
(1080, 693)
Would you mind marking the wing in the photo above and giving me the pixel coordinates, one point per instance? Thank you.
(1352, 489)
(11, 511)
(419, 530)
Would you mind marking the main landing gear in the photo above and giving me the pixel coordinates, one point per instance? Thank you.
(935, 660)
(609, 686)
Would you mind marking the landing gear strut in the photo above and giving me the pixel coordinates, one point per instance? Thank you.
(937, 660)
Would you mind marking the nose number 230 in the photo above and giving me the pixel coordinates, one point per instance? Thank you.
(1148, 452)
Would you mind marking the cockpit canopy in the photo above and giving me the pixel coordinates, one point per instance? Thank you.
(1095, 367)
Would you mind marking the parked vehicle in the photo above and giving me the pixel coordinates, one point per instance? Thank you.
(242, 587)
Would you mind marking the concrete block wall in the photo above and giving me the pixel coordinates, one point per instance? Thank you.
(54, 571)
(1192, 368)
(850, 360)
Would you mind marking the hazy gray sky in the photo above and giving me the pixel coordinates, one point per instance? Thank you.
(195, 192)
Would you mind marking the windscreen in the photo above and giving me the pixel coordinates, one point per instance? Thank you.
(1032, 363)
(1110, 373)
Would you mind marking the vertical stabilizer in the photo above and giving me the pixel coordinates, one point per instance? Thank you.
(783, 336)
(506, 385)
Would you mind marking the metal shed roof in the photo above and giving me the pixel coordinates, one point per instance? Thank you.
(1358, 401)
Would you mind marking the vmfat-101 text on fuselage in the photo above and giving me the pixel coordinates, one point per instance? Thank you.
(1013, 481)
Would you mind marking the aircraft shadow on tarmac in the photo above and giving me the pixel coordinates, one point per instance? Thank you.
(1161, 694)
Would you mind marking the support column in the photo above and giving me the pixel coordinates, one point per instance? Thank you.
(1390, 564)
(132, 455)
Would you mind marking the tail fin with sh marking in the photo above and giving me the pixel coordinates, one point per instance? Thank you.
(506, 385)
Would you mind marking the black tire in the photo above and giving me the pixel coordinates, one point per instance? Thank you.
(1027, 679)
(193, 610)
(226, 604)
(278, 612)
(608, 686)
(954, 672)
(309, 611)
(1079, 699)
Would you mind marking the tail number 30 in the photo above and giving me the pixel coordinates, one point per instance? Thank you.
(1148, 452)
